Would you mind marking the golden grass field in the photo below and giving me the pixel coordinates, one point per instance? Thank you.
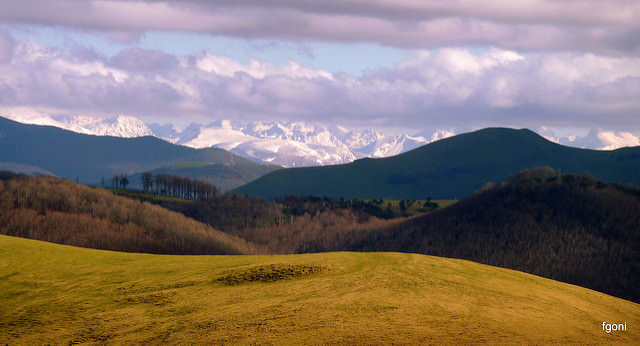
(59, 294)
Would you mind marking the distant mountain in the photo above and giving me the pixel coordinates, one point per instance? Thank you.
(120, 126)
(293, 144)
(289, 144)
(594, 139)
(450, 168)
(296, 143)
(89, 158)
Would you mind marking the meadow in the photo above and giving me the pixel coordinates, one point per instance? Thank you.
(51, 293)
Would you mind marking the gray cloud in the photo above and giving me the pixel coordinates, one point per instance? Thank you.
(448, 87)
(143, 60)
(588, 25)
(6, 46)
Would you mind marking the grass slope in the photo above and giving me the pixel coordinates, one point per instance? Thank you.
(448, 169)
(53, 293)
(89, 158)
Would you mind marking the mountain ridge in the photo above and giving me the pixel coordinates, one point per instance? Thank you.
(89, 158)
(453, 167)
(295, 143)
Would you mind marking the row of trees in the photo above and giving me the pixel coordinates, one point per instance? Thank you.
(179, 187)
(169, 185)
(299, 205)
(119, 181)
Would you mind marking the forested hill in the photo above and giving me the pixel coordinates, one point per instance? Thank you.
(61, 211)
(572, 229)
(90, 158)
(451, 168)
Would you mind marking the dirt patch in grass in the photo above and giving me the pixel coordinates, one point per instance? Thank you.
(269, 273)
(158, 298)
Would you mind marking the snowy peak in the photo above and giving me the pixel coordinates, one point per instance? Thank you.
(433, 135)
(594, 139)
(168, 132)
(47, 120)
(120, 126)
(288, 143)
(386, 145)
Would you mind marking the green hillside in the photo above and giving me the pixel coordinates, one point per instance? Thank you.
(59, 294)
(451, 168)
(90, 158)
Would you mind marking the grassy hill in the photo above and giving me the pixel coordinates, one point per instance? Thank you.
(60, 211)
(451, 168)
(53, 293)
(90, 158)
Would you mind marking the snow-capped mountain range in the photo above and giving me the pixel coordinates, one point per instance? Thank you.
(288, 144)
(292, 144)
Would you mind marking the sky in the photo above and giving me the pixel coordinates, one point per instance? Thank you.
(565, 65)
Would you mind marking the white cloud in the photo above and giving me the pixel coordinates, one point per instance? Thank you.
(449, 87)
(613, 140)
(86, 69)
(225, 66)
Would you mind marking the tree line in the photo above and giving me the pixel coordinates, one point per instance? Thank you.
(170, 186)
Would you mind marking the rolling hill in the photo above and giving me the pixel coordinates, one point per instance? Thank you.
(451, 168)
(53, 294)
(61, 211)
(89, 158)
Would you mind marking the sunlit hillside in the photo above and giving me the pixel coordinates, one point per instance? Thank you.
(52, 293)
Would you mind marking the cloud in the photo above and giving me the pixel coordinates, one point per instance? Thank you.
(6, 46)
(138, 59)
(449, 87)
(225, 66)
(587, 25)
(612, 140)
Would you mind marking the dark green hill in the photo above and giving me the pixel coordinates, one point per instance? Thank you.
(450, 168)
(89, 158)
(570, 228)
